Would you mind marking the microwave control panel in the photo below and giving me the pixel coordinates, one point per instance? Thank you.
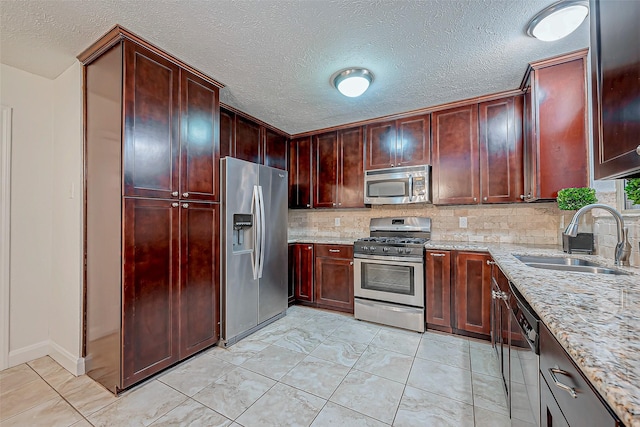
(419, 186)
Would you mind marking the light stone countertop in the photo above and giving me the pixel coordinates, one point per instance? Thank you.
(322, 240)
(595, 317)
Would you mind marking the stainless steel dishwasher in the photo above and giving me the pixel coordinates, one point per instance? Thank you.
(524, 355)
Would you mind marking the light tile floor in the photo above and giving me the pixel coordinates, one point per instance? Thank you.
(312, 367)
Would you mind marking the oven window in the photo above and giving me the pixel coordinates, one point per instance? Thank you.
(390, 188)
(388, 278)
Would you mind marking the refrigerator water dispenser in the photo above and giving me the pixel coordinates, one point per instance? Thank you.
(241, 222)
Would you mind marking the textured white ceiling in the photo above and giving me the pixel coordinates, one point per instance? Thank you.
(276, 56)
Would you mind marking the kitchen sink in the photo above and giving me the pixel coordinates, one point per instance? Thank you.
(567, 264)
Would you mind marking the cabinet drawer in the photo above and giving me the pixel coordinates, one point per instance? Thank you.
(334, 251)
(586, 408)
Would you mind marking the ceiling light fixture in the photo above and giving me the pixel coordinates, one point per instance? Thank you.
(558, 20)
(352, 82)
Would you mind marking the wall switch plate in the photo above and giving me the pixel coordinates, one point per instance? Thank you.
(337, 222)
(462, 222)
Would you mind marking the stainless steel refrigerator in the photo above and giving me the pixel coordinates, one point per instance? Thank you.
(254, 247)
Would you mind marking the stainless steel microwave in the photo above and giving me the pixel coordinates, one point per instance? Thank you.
(401, 185)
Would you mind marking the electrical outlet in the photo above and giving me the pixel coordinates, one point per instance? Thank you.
(462, 222)
(337, 222)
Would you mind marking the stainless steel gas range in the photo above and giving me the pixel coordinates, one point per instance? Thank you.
(389, 272)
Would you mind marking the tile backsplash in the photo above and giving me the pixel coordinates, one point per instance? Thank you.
(536, 223)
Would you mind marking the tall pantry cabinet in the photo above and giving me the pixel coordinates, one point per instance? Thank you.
(151, 213)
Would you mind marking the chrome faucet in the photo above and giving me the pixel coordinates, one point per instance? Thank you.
(623, 248)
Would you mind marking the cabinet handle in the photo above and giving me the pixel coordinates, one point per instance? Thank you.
(175, 204)
(523, 197)
(489, 262)
(570, 390)
(432, 254)
(175, 194)
(185, 195)
(638, 150)
(334, 250)
(185, 205)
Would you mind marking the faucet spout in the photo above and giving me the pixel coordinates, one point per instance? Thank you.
(623, 248)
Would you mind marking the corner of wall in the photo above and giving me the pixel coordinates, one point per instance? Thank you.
(68, 361)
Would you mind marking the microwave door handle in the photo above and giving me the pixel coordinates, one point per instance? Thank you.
(410, 188)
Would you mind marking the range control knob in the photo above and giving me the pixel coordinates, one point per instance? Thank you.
(372, 248)
(364, 248)
(385, 249)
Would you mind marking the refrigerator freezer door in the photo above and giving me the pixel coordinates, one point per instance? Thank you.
(273, 284)
(239, 289)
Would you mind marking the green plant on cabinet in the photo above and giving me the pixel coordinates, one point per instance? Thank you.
(570, 199)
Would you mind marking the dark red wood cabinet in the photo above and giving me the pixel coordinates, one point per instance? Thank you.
(438, 290)
(555, 137)
(455, 159)
(615, 77)
(334, 277)
(244, 138)
(587, 408)
(402, 142)
(500, 144)
(152, 221)
(472, 286)
(338, 174)
(300, 173)
(301, 267)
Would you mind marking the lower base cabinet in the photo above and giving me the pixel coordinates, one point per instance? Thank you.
(321, 275)
(566, 396)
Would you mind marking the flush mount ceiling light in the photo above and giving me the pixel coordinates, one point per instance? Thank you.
(352, 82)
(558, 20)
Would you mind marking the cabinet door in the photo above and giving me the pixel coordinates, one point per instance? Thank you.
(473, 293)
(500, 127)
(247, 140)
(455, 156)
(304, 272)
(199, 138)
(334, 282)
(150, 288)
(292, 273)
(551, 415)
(560, 142)
(413, 141)
(275, 149)
(325, 170)
(199, 277)
(381, 145)
(351, 180)
(615, 88)
(300, 173)
(151, 121)
(227, 133)
(438, 289)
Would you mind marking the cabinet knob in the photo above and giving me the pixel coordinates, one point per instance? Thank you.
(334, 204)
(175, 204)
(308, 205)
(638, 150)
(309, 247)
(485, 198)
(351, 263)
(175, 194)
(185, 205)
(339, 204)
(185, 195)
(391, 164)
(475, 199)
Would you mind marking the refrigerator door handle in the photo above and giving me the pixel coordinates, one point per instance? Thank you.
(255, 209)
(263, 233)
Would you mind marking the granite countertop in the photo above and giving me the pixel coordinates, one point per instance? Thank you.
(595, 317)
(322, 240)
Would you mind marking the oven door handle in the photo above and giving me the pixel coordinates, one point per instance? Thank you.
(410, 188)
(406, 260)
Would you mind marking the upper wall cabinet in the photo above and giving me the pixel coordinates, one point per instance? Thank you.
(402, 142)
(455, 172)
(615, 82)
(556, 137)
(338, 176)
(300, 173)
(245, 139)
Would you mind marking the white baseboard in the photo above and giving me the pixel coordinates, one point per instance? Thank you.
(28, 353)
(68, 361)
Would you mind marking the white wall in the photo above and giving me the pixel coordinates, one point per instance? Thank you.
(65, 309)
(31, 98)
(46, 218)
